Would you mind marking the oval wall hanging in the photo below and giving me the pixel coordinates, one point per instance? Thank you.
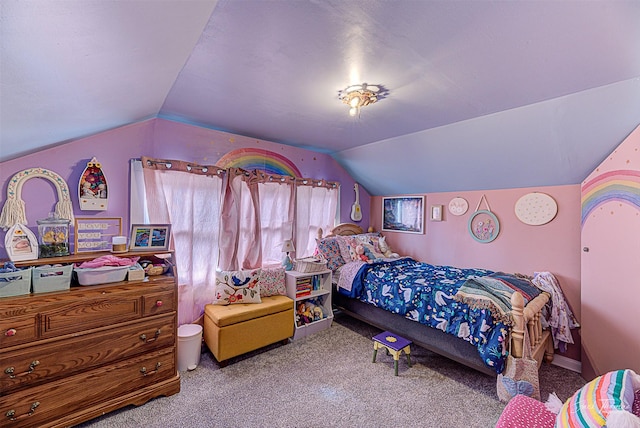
(483, 225)
(536, 208)
(458, 206)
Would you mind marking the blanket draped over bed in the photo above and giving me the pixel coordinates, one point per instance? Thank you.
(427, 294)
(494, 292)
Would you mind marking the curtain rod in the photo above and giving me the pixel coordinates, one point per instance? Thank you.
(188, 167)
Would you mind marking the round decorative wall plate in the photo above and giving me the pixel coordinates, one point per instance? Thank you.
(458, 206)
(484, 226)
(536, 208)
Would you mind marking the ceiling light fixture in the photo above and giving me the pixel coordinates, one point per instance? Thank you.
(357, 96)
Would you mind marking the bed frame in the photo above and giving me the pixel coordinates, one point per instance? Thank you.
(444, 344)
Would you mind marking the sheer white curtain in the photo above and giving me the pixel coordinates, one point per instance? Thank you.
(315, 208)
(191, 203)
(138, 212)
(277, 208)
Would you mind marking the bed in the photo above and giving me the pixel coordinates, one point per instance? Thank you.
(452, 329)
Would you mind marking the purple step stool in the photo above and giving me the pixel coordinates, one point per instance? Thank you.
(394, 344)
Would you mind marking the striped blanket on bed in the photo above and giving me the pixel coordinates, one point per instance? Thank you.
(494, 292)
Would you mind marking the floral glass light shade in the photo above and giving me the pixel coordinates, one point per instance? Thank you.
(360, 95)
(287, 247)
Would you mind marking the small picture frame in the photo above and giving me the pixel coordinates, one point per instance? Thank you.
(145, 237)
(436, 213)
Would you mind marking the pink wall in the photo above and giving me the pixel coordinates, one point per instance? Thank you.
(610, 291)
(157, 138)
(518, 248)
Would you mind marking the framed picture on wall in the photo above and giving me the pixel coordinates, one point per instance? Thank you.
(436, 212)
(403, 214)
(146, 237)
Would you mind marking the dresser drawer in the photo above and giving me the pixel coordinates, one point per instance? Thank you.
(90, 313)
(159, 303)
(53, 359)
(109, 307)
(17, 330)
(46, 403)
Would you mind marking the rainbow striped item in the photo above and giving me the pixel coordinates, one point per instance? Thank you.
(607, 395)
(614, 186)
(260, 159)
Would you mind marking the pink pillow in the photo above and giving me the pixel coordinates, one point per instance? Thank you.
(272, 282)
(344, 243)
(523, 411)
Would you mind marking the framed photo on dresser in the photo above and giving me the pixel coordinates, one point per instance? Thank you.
(146, 237)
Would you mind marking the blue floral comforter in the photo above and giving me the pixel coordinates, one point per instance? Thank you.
(425, 293)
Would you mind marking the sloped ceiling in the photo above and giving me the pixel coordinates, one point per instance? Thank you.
(482, 94)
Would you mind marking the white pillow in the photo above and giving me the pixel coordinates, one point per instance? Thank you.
(242, 286)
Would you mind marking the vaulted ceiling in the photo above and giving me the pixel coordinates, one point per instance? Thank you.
(482, 94)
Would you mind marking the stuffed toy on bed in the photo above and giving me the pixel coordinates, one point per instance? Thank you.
(362, 255)
(385, 249)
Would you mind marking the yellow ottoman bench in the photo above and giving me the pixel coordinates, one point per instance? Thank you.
(232, 330)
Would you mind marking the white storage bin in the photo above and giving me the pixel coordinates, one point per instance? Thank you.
(15, 283)
(101, 275)
(55, 278)
(310, 264)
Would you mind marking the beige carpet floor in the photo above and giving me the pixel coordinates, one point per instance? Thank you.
(329, 380)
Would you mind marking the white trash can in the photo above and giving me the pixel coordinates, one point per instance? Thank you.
(189, 343)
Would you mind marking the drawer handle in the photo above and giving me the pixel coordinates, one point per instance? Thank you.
(11, 332)
(11, 414)
(11, 370)
(144, 372)
(143, 337)
(158, 303)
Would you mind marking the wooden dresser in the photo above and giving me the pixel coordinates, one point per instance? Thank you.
(69, 356)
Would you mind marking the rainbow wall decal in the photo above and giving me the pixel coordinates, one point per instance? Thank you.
(260, 159)
(621, 185)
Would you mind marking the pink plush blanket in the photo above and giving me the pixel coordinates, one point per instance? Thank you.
(109, 260)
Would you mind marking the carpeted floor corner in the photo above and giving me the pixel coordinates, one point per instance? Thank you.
(328, 380)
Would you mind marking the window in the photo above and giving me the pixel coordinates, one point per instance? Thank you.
(193, 199)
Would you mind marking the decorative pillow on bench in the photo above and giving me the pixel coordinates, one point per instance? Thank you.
(241, 286)
(272, 282)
